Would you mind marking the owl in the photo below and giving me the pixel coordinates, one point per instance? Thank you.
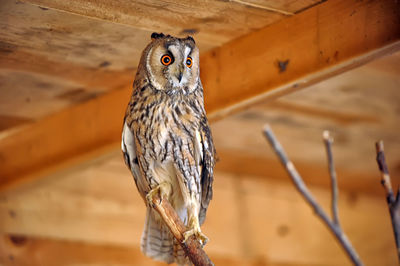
(167, 143)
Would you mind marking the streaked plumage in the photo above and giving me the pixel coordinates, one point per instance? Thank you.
(166, 140)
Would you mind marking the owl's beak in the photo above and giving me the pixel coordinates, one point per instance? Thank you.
(179, 76)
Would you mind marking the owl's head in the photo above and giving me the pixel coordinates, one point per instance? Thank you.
(172, 64)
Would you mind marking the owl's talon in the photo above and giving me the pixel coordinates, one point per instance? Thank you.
(163, 189)
(150, 195)
(197, 234)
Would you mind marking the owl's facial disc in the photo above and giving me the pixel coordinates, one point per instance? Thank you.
(173, 66)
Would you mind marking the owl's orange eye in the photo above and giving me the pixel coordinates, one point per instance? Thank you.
(166, 60)
(189, 62)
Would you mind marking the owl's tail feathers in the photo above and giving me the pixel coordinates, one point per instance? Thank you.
(158, 242)
(179, 254)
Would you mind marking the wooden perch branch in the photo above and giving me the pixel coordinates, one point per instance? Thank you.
(333, 224)
(191, 247)
(392, 201)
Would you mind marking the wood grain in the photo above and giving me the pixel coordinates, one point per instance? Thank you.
(82, 76)
(68, 38)
(212, 22)
(242, 164)
(25, 250)
(12, 121)
(266, 221)
(61, 139)
(339, 118)
(287, 6)
(320, 42)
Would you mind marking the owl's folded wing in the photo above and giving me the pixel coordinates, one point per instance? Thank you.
(129, 150)
(207, 165)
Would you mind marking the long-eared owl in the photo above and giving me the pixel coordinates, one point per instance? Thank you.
(167, 142)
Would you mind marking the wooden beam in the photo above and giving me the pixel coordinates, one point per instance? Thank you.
(298, 51)
(319, 42)
(63, 139)
(84, 132)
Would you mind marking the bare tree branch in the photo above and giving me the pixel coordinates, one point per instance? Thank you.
(192, 247)
(302, 188)
(328, 140)
(393, 203)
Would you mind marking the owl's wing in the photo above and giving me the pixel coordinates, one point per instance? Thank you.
(128, 147)
(207, 163)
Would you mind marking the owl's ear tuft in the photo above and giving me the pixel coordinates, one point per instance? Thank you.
(190, 38)
(156, 35)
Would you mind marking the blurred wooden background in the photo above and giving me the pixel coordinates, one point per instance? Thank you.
(66, 67)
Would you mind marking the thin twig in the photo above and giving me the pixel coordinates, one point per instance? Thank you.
(192, 247)
(392, 201)
(328, 140)
(302, 188)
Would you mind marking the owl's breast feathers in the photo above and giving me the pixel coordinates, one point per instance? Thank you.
(173, 128)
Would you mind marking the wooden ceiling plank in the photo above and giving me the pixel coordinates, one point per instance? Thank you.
(65, 37)
(289, 7)
(25, 250)
(100, 206)
(320, 42)
(243, 164)
(212, 22)
(265, 7)
(342, 118)
(90, 78)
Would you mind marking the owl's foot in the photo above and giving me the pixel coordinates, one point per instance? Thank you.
(163, 189)
(196, 231)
